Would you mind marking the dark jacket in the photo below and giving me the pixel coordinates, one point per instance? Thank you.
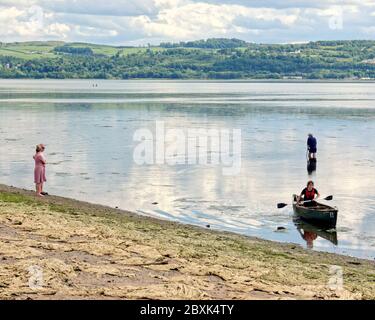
(312, 143)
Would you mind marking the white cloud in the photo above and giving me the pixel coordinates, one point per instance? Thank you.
(99, 8)
(58, 30)
(9, 14)
(202, 20)
(14, 21)
(142, 21)
(89, 31)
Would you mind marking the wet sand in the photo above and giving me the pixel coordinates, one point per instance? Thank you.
(88, 251)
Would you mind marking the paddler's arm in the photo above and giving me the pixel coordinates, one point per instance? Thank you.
(299, 198)
(317, 194)
(300, 232)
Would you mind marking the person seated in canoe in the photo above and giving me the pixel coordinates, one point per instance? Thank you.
(309, 194)
(312, 146)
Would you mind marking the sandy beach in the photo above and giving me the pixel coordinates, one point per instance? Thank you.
(87, 251)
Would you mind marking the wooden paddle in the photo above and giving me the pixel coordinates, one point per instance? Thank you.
(283, 205)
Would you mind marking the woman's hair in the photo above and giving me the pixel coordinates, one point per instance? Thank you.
(39, 147)
(312, 182)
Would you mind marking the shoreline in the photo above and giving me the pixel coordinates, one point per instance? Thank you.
(90, 251)
(250, 80)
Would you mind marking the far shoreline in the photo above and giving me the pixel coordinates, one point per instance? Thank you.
(167, 80)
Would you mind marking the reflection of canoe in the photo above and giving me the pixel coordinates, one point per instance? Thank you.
(321, 214)
(322, 232)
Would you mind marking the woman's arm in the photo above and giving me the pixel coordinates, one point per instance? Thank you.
(43, 159)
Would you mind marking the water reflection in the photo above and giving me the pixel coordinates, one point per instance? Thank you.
(310, 232)
(311, 166)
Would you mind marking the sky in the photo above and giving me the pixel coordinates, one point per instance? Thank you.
(139, 22)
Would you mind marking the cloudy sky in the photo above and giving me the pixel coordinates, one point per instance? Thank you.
(133, 22)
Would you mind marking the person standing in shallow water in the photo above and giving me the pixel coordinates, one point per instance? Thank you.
(312, 146)
(40, 170)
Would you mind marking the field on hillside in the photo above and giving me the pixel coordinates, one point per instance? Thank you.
(39, 50)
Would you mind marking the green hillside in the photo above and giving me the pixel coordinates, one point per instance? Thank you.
(203, 59)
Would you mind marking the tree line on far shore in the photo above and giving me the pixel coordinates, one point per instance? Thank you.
(203, 59)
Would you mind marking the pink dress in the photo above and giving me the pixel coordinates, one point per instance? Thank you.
(40, 168)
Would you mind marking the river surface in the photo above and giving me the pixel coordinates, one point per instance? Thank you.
(89, 126)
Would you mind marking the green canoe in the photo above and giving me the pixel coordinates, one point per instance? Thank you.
(321, 214)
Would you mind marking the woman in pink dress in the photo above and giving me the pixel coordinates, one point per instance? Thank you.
(40, 169)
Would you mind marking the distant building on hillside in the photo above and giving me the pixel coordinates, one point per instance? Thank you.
(292, 77)
(369, 61)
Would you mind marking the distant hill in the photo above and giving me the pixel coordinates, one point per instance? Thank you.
(202, 59)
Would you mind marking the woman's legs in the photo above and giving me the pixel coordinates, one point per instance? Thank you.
(39, 189)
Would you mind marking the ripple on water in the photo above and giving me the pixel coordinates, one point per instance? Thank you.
(226, 208)
(63, 174)
(56, 163)
(343, 229)
(191, 200)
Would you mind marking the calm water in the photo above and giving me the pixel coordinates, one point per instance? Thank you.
(88, 127)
